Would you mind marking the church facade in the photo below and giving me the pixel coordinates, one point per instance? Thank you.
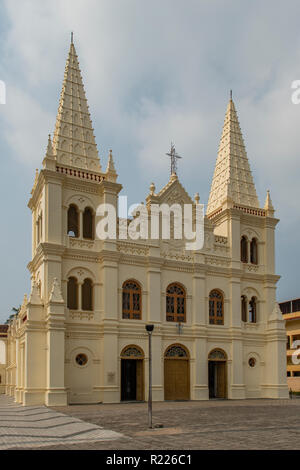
(80, 335)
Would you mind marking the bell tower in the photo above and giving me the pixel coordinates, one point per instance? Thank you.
(235, 212)
(64, 201)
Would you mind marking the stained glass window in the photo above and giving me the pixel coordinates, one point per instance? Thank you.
(176, 351)
(132, 352)
(216, 308)
(175, 303)
(81, 359)
(131, 301)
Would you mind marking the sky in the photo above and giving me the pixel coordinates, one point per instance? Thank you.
(154, 72)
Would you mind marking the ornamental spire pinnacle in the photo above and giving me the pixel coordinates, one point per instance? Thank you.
(74, 141)
(232, 175)
(110, 169)
(269, 205)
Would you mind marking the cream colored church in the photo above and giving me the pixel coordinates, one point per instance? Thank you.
(80, 335)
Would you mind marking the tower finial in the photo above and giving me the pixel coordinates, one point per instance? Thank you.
(231, 94)
(71, 37)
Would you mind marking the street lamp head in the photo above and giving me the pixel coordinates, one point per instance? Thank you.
(149, 328)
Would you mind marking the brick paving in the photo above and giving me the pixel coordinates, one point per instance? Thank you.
(38, 426)
(232, 424)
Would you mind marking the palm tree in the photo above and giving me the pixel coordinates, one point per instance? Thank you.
(15, 311)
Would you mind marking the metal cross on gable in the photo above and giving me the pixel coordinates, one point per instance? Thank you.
(174, 157)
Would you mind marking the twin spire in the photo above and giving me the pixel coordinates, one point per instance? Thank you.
(74, 143)
(232, 176)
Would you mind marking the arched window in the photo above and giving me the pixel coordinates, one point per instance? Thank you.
(87, 295)
(73, 221)
(88, 224)
(253, 251)
(175, 303)
(244, 250)
(216, 308)
(217, 355)
(72, 301)
(132, 300)
(244, 308)
(177, 350)
(252, 310)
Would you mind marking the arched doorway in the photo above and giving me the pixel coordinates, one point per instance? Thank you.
(176, 373)
(132, 374)
(217, 374)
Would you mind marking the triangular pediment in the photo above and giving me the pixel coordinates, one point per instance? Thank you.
(173, 193)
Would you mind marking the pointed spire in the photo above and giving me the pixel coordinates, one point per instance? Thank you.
(110, 164)
(74, 141)
(269, 205)
(110, 169)
(232, 176)
(35, 180)
(49, 147)
(49, 160)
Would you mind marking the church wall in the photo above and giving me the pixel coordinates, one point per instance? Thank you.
(254, 376)
(83, 381)
(80, 351)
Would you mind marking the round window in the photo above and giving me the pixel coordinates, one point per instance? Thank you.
(81, 359)
(252, 362)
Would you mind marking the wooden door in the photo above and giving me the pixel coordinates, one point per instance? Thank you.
(221, 379)
(176, 379)
(139, 380)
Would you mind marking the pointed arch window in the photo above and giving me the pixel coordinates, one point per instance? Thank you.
(253, 251)
(253, 310)
(244, 250)
(73, 221)
(244, 308)
(216, 308)
(87, 295)
(131, 300)
(88, 223)
(176, 303)
(72, 294)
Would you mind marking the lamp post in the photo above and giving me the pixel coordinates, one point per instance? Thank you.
(149, 329)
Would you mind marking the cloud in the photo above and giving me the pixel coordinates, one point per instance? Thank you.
(160, 71)
(25, 128)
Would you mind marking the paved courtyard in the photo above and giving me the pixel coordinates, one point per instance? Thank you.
(249, 424)
(38, 426)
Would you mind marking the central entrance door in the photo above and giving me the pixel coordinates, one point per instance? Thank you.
(217, 374)
(176, 373)
(132, 374)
